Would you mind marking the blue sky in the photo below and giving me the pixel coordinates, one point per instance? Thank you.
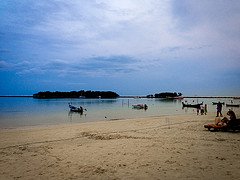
(132, 47)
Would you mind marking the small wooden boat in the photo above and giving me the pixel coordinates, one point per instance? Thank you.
(174, 98)
(232, 105)
(76, 109)
(140, 106)
(215, 103)
(179, 97)
(192, 105)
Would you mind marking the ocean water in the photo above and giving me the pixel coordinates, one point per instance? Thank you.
(27, 111)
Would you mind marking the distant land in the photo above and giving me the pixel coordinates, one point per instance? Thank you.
(76, 94)
(131, 96)
(17, 96)
(237, 97)
(107, 94)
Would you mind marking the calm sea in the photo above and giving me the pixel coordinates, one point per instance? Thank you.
(22, 111)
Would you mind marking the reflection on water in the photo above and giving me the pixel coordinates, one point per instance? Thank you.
(29, 111)
(72, 116)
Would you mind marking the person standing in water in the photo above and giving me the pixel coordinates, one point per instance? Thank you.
(219, 109)
(205, 109)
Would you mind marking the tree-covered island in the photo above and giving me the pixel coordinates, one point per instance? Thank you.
(76, 94)
(165, 95)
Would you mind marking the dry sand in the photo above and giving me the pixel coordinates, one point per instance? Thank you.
(167, 147)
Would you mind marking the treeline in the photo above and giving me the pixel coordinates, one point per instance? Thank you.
(76, 94)
(165, 95)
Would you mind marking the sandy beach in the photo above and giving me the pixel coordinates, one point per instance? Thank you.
(166, 147)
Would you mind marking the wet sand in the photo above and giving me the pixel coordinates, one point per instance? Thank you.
(167, 147)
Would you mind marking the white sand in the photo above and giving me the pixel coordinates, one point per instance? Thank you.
(169, 147)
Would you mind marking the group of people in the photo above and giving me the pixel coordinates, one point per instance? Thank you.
(202, 109)
(232, 121)
(226, 122)
(229, 122)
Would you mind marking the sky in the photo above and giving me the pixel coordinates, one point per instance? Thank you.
(132, 47)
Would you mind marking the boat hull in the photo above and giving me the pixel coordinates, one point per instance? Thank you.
(232, 105)
(215, 103)
(140, 106)
(75, 109)
(192, 105)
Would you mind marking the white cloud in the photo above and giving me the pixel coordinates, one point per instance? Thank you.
(143, 29)
(4, 65)
(154, 32)
(110, 27)
(212, 23)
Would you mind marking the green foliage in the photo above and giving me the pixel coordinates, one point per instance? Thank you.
(165, 95)
(76, 94)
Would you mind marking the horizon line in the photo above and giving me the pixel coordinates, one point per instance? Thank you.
(137, 96)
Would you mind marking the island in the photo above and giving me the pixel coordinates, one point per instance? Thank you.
(76, 94)
(166, 95)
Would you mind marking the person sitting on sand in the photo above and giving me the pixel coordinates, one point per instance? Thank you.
(221, 122)
(232, 121)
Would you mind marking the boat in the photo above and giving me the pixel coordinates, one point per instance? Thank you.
(178, 97)
(175, 97)
(172, 98)
(192, 105)
(140, 106)
(82, 97)
(236, 97)
(215, 103)
(232, 105)
(76, 109)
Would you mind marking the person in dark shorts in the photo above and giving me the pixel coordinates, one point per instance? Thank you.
(219, 109)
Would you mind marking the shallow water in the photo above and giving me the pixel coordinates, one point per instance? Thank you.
(15, 112)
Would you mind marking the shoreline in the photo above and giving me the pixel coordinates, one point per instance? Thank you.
(40, 126)
(124, 96)
(165, 147)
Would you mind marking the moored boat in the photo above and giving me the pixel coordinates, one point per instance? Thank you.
(76, 109)
(192, 105)
(140, 106)
(178, 97)
(232, 105)
(215, 103)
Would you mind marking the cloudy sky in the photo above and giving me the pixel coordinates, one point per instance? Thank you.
(132, 47)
